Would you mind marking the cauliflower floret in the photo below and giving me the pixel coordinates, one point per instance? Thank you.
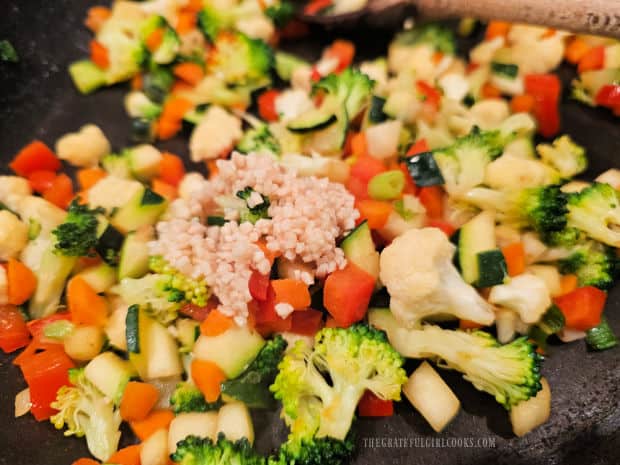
(12, 190)
(302, 78)
(190, 183)
(292, 103)
(37, 210)
(83, 148)
(217, 133)
(256, 27)
(509, 172)
(13, 235)
(112, 192)
(418, 272)
(526, 294)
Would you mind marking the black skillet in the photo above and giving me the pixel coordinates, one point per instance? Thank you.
(37, 100)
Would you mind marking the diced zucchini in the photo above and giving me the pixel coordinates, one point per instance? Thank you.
(132, 329)
(477, 235)
(375, 110)
(134, 259)
(188, 331)
(506, 70)
(51, 276)
(110, 374)
(99, 277)
(203, 425)
(492, 268)
(117, 165)
(286, 64)
(431, 396)
(552, 322)
(109, 243)
(531, 413)
(232, 350)
(592, 81)
(115, 328)
(313, 120)
(424, 170)
(154, 449)
(330, 140)
(359, 248)
(144, 161)
(143, 209)
(601, 337)
(235, 422)
(87, 76)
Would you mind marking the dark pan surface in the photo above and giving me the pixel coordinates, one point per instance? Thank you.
(38, 100)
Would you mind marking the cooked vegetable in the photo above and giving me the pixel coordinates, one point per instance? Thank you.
(188, 398)
(526, 294)
(531, 413)
(601, 337)
(78, 235)
(204, 451)
(566, 156)
(593, 263)
(595, 211)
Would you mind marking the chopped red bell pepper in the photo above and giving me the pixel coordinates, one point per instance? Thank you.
(419, 146)
(583, 307)
(431, 95)
(259, 285)
(344, 51)
(317, 6)
(307, 322)
(267, 105)
(37, 327)
(546, 90)
(608, 96)
(197, 312)
(365, 168)
(45, 373)
(36, 156)
(266, 320)
(60, 193)
(358, 188)
(14, 333)
(41, 180)
(372, 406)
(432, 199)
(346, 294)
(294, 29)
(446, 227)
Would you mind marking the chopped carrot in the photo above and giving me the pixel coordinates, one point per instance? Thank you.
(568, 283)
(293, 292)
(88, 177)
(432, 199)
(138, 400)
(208, 377)
(97, 15)
(175, 108)
(497, 29)
(171, 168)
(515, 258)
(344, 51)
(359, 146)
(490, 91)
(99, 54)
(376, 212)
(164, 189)
(468, 324)
(21, 282)
(137, 82)
(85, 461)
(267, 105)
(60, 193)
(437, 57)
(194, 5)
(522, 103)
(85, 305)
(129, 455)
(212, 168)
(594, 59)
(269, 254)
(186, 21)
(166, 129)
(576, 50)
(216, 323)
(179, 86)
(549, 33)
(316, 6)
(154, 39)
(192, 73)
(155, 420)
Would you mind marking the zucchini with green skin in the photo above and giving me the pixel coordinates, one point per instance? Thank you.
(551, 323)
(375, 110)
(99, 277)
(601, 337)
(134, 255)
(313, 120)
(506, 70)
(424, 170)
(359, 249)
(110, 374)
(477, 235)
(143, 209)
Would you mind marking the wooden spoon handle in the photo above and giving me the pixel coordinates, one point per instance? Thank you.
(600, 17)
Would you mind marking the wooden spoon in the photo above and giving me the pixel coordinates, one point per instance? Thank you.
(600, 17)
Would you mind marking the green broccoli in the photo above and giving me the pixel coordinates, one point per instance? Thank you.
(212, 21)
(594, 264)
(566, 156)
(510, 373)
(157, 83)
(78, 235)
(280, 13)
(168, 49)
(351, 89)
(188, 398)
(439, 37)
(255, 212)
(596, 211)
(252, 386)
(259, 140)
(463, 164)
(316, 451)
(203, 451)
(565, 238)
(85, 411)
(320, 387)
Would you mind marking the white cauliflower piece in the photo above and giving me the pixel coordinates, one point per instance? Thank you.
(526, 294)
(12, 190)
(292, 103)
(190, 183)
(419, 275)
(83, 148)
(510, 172)
(112, 192)
(13, 235)
(256, 27)
(37, 210)
(217, 133)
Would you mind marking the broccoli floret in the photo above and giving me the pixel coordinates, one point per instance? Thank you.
(212, 21)
(566, 238)
(596, 211)
(463, 164)
(317, 451)
(203, 451)
(167, 50)
(510, 373)
(566, 156)
(321, 387)
(280, 13)
(254, 211)
(352, 90)
(188, 398)
(252, 386)
(259, 140)
(157, 83)
(593, 263)
(77, 236)
(435, 35)
(85, 411)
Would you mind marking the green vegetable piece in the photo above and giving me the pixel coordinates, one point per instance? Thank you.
(492, 268)
(58, 329)
(7, 52)
(187, 398)
(132, 331)
(375, 112)
(551, 322)
(424, 170)
(87, 76)
(216, 221)
(508, 70)
(387, 186)
(77, 236)
(601, 337)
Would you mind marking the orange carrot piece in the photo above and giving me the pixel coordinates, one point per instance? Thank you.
(164, 189)
(497, 29)
(97, 15)
(269, 254)
(138, 400)
(21, 282)
(194, 5)
(216, 323)
(468, 324)
(129, 455)
(155, 420)
(359, 146)
(88, 177)
(171, 169)
(186, 21)
(208, 377)
(85, 305)
(490, 91)
(515, 258)
(375, 211)
(60, 192)
(137, 82)
(175, 108)
(568, 283)
(522, 103)
(154, 39)
(167, 129)
(212, 168)
(99, 54)
(85, 461)
(576, 50)
(593, 60)
(293, 292)
(192, 73)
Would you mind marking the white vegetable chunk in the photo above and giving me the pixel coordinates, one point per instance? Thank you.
(13, 235)
(526, 294)
(203, 425)
(83, 148)
(235, 422)
(217, 133)
(531, 413)
(12, 190)
(154, 449)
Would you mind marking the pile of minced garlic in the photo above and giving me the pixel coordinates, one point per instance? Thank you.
(307, 215)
